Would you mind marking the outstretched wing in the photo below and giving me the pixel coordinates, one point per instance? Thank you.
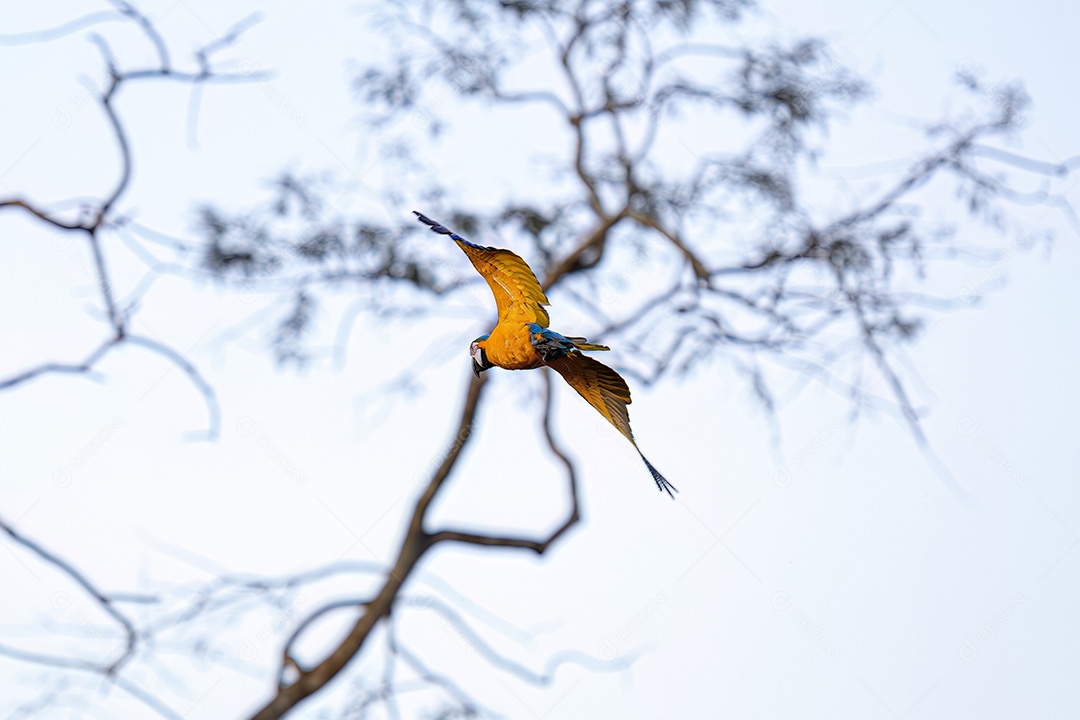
(518, 295)
(606, 391)
(602, 387)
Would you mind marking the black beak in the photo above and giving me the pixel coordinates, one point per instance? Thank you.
(477, 368)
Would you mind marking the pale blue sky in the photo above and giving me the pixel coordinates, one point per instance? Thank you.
(842, 580)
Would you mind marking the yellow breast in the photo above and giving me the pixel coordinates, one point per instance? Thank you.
(509, 347)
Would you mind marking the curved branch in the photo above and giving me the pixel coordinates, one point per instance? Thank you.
(431, 677)
(103, 600)
(531, 96)
(416, 543)
(287, 658)
(86, 366)
(1059, 169)
(100, 210)
(116, 319)
(575, 261)
(59, 31)
(125, 154)
(151, 32)
(648, 221)
(537, 546)
(214, 429)
(81, 665)
(40, 214)
(554, 662)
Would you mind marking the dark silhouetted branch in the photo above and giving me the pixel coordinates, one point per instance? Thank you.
(413, 547)
(86, 366)
(104, 601)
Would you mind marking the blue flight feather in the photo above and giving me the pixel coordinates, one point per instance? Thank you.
(443, 230)
(550, 344)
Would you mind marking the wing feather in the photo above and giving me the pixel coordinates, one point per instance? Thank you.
(519, 298)
(602, 387)
(518, 295)
(606, 391)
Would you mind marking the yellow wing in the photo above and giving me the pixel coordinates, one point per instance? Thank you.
(518, 295)
(606, 391)
(602, 387)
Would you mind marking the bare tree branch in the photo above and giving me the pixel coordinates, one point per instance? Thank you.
(416, 543)
(413, 547)
(769, 278)
(104, 601)
(537, 546)
(98, 217)
(86, 366)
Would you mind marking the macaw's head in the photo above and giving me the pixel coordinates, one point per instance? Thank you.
(479, 355)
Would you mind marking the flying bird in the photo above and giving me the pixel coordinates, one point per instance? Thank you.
(521, 339)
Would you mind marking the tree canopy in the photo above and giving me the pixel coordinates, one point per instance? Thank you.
(667, 191)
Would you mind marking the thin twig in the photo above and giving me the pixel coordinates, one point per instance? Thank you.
(103, 600)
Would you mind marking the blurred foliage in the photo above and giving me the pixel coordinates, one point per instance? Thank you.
(719, 256)
(737, 261)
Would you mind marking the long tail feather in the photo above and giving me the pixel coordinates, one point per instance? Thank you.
(661, 481)
(443, 230)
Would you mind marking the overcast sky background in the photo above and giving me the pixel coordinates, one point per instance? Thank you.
(835, 577)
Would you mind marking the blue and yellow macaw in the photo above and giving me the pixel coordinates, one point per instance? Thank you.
(521, 339)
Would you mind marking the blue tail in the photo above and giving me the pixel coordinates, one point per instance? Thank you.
(661, 481)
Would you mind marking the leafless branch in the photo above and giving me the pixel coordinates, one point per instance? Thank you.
(64, 29)
(497, 660)
(416, 543)
(205, 388)
(85, 367)
(537, 546)
(104, 601)
(413, 547)
(97, 218)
